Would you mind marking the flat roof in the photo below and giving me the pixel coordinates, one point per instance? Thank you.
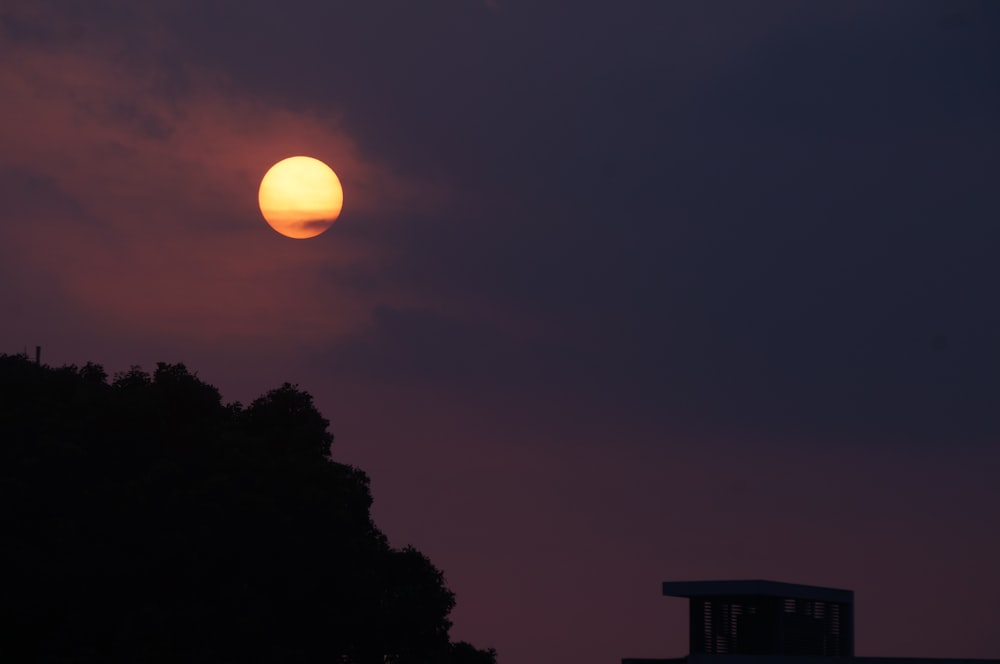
(756, 587)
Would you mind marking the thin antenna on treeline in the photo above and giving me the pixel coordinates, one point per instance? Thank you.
(38, 355)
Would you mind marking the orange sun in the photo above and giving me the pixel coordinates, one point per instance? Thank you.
(300, 197)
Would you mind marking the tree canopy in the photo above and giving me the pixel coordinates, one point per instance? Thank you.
(144, 520)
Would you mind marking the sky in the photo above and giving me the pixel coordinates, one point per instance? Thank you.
(621, 292)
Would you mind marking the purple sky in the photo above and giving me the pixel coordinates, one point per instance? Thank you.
(621, 292)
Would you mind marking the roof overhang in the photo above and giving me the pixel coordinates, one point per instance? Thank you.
(758, 588)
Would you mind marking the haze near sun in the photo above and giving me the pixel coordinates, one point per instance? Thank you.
(300, 197)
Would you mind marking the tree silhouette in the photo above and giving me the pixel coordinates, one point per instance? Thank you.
(144, 520)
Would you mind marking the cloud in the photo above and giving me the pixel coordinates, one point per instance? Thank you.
(666, 216)
(432, 349)
(132, 189)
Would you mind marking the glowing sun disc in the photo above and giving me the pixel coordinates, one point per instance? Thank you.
(300, 197)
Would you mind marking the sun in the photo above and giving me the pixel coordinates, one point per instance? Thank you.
(300, 197)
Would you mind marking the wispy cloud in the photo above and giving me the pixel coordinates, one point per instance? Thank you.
(132, 188)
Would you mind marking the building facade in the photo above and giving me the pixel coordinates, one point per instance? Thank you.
(767, 622)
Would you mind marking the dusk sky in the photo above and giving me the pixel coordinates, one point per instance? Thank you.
(622, 292)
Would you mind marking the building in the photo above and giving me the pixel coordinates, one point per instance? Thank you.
(766, 622)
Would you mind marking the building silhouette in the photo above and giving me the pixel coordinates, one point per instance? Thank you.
(767, 622)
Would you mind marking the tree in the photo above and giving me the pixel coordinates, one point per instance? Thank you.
(145, 520)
